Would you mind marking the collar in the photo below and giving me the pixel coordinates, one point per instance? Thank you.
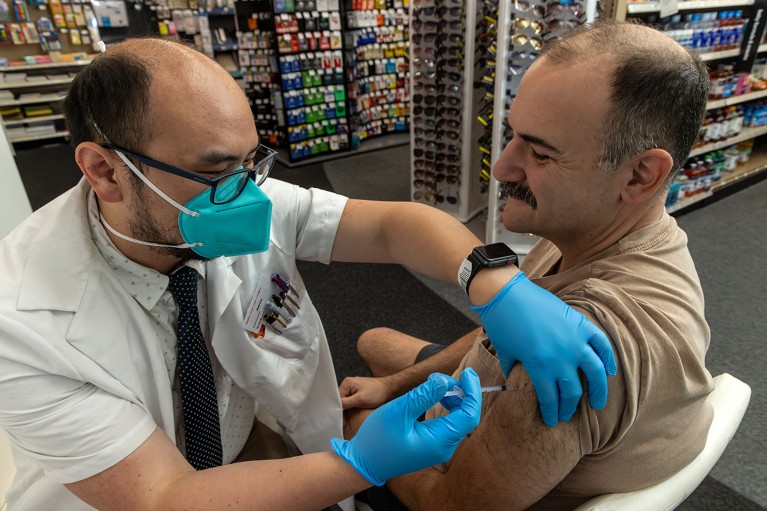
(145, 285)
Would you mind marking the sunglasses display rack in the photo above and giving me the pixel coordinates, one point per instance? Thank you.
(443, 138)
(523, 27)
(377, 62)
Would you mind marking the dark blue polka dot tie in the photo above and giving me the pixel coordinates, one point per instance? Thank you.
(202, 431)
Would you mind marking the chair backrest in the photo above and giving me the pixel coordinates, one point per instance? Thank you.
(7, 468)
(729, 401)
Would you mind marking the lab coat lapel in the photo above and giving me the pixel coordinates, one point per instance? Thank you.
(108, 327)
(111, 327)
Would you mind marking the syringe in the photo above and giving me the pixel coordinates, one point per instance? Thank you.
(457, 391)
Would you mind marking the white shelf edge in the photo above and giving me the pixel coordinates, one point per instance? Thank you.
(734, 100)
(17, 102)
(25, 120)
(45, 66)
(716, 55)
(644, 7)
(762, 48)
(745, 134)
(41, 83)
(41, 136)
(688, 202)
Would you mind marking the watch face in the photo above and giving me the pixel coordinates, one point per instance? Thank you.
(497, 251)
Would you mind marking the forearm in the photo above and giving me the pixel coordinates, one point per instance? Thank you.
(420, 237)
(157, 477)
(445, 361)
(309, 482)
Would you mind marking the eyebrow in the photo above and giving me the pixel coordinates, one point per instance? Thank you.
(215, 157)
(532, 139)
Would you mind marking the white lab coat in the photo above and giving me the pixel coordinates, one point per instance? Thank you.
(63, 313)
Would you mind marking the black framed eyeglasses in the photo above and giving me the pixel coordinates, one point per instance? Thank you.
(224, 188)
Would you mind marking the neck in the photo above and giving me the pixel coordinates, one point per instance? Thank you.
(584, 246)
(151, 257)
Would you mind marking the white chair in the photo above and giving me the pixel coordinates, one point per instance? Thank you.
(7, 469)
(729, 401)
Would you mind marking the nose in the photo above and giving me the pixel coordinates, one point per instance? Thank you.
(508, 166)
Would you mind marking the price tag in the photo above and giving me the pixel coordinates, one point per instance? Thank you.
(668, 7)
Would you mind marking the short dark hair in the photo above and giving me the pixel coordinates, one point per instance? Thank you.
(658, 94)
(113, 92)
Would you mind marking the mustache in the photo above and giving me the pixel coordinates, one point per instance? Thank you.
(518, 191)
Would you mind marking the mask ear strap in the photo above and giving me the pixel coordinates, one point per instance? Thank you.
(146, 243)
(151, 185)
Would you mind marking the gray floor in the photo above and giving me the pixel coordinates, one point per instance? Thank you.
(728, 243)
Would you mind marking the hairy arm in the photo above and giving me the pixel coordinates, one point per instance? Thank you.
(423, 238)
(510, 462)
(156, 476)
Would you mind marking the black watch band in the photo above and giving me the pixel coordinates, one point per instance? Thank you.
(486, 256)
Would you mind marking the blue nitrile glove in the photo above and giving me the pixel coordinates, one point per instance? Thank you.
(392, 442)
(526, 323)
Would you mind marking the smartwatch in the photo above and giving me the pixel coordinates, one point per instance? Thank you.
(486, 256)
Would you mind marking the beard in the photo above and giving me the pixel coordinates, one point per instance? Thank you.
(517, 191)
(143, 227)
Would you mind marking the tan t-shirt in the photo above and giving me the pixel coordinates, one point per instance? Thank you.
(645, 294)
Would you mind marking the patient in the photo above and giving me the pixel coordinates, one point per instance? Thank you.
(603, 121)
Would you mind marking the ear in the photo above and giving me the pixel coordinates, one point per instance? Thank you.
(646, 175)
(98, 165)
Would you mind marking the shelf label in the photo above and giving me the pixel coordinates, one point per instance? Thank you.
(668, 7)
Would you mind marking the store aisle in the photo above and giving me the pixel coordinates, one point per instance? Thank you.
(727, 240)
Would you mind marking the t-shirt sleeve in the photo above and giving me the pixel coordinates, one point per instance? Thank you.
(71, 429)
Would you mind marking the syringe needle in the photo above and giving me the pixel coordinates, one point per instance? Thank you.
(457, 391)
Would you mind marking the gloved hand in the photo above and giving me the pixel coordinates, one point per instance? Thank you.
(392, 442)
(526, 323)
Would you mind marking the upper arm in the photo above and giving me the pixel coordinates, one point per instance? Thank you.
(509, 462)
(360, 237)
(138, 481)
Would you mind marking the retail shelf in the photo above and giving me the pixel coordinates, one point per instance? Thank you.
(34, 119)
(679, 205)
(41, 136)
(40, 83)
(762, 48)
(734, 100)
(717, 55)
(26, 67)
(31, 101)
(642, 7)
(223, 11)
(756, 164)
(228, 46)
(745, 134)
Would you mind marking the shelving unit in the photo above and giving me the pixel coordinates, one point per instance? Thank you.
(647, 7)
(620, 9)
(755, 165)
(377, 62)
(20, 121)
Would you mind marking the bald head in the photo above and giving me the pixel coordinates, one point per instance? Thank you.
(125, 90)
(658, 90)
